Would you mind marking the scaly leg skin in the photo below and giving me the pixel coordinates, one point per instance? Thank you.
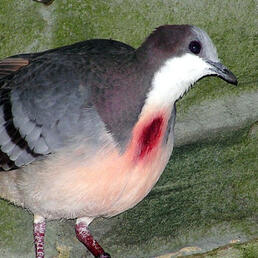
(39, 233)
(83, 234)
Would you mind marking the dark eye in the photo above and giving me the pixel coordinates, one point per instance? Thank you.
(195, 47)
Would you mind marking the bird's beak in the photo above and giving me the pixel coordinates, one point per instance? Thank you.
(223, 72)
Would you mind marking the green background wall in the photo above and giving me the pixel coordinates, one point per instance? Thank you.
(207, 197)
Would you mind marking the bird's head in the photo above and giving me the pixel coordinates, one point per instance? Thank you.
(182, 55)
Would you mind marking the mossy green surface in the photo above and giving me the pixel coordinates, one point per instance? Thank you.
(14, 226)
(21, 28)
(245, 250)
(208, 194)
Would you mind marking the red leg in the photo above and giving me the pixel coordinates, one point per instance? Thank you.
(83, 234)
(39, 233)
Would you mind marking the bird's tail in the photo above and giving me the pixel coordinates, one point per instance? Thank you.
(8, 187)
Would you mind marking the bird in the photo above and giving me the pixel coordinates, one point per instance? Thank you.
(87, 129)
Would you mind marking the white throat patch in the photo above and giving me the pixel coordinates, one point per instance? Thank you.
(175, 77)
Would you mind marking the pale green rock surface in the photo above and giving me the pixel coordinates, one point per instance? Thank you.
(207, 197)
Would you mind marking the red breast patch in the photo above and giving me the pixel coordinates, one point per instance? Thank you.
(150, 136)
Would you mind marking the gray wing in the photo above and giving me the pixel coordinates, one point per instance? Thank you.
(41, 108)
(46, 99)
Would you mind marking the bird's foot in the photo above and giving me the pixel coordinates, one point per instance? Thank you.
(83, 234)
